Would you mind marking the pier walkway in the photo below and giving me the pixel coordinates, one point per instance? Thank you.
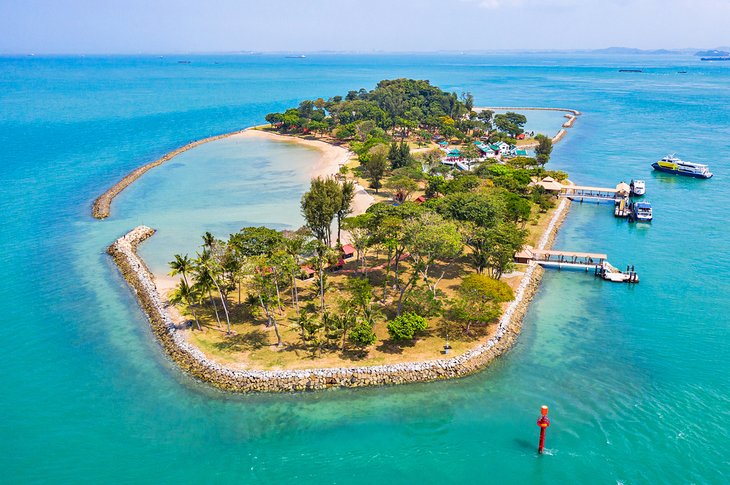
(598, 194)
(597, 262)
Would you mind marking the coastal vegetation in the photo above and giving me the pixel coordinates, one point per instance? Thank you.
(398, 108)
(430, 262)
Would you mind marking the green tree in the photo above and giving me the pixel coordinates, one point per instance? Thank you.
(399, 154)
(522, 162)
(188, 296)
(290, 119)
(256, 241)
(344, 208)
(517, 208)
(394, 155)
(274, 118)
(181, 265)
(470, 153)
(432, 240)
(294, 244)
(468, 100)
(478, 300)
(504, 240)
(318, 126)
(479, 286)
(263, 284)
(479, 208)
(543, 149)
(362, 335)
(485, 116)
(324, 255)
(360, 238)
(510, 123)
(344, 321)
(435, 185)
(402, 187)
(320, 206)
(210, 271)
(422, 300)
(376, 167)
(204, 284)
(406, 326)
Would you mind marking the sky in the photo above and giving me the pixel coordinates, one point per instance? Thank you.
(177, 26)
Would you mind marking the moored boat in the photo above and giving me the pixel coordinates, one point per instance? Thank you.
(638, 187)
(672, 164)
(641, 212)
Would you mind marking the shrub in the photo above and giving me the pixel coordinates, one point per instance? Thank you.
(478, 286)
(362, 335)
(406, 326)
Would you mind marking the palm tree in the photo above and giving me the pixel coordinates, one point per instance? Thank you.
(181, 265)
(187, 295)
(205, 260)
(294, 246)
(262, 282)
(323, 256)
(347, 194)
(204, 284)
(208, 240)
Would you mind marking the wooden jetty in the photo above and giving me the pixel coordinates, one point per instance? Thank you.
(595, 194)
(597, 262)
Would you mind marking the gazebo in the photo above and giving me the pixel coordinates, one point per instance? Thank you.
(623, 189)
(550, 184)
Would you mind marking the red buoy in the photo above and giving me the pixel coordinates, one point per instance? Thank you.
(543, 422)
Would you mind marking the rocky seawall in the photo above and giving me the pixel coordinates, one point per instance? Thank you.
(570, 114)
(574, 112)
(194, 362)
(101, 206)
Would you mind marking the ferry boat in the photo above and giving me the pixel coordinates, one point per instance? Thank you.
(672, 164)
(638, 187)
(641, 212)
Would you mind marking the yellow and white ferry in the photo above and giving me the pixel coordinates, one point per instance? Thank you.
(672, 164)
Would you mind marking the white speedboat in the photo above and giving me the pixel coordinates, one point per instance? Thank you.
(641, 212)
(638, 187)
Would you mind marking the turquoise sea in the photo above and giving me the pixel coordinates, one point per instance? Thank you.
(636, 377)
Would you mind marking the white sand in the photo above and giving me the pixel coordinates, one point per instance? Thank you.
(328, 164)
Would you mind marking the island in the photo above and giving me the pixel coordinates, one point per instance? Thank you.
(404, 270)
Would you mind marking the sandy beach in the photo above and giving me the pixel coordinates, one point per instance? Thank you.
(329, 163)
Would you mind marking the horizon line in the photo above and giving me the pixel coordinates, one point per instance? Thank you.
(599, 50)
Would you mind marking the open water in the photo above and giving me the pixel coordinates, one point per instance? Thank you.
(636, 377)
